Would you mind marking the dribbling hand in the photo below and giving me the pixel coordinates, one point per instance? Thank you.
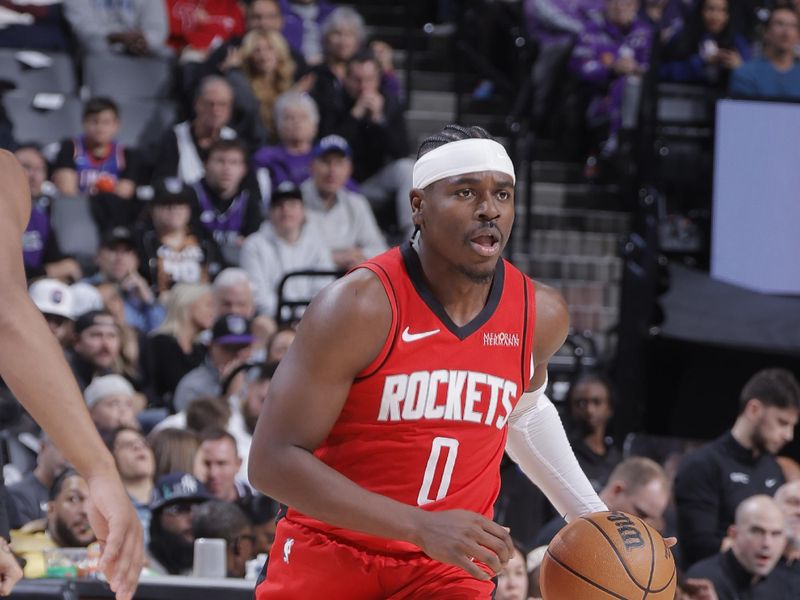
(463, 538)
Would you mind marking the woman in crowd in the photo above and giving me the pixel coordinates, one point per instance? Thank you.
(270, 71)
(708, 48)
(174, 346)
(512, 581)
(296, 121)
(177, 450)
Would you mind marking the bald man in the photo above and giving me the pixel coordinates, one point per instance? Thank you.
(747, 570)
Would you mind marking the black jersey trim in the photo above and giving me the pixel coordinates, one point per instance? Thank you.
(414, 268)
(395, 329)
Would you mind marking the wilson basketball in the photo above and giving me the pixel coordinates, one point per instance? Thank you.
(608, 555)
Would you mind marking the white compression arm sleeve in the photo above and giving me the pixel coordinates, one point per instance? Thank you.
(538, 444)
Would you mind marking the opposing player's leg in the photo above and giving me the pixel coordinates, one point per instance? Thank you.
(308, 564)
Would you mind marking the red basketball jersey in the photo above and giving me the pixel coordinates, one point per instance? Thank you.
(425, 423)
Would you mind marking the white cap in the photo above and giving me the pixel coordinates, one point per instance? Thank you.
(85, 297)
(52, 297)
(107, 385)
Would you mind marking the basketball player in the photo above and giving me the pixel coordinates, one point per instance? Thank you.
(387, 419)
(33, 366)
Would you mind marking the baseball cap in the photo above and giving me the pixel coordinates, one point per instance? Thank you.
(118, 235)
(231, 329)
(332, 143)
(107, 385)
(171, 191)
(85, 298)
(285, 191)
(91, 318)
(52, 297)
(178, 487)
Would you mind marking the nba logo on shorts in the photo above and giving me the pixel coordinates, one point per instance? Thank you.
(287, 549)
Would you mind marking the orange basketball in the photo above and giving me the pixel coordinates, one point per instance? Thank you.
(608, 555)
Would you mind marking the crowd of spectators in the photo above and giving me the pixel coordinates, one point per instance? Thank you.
(603, 49)
(291, 154)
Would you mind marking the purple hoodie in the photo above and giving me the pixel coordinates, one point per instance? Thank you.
(553, 21)
(610, 42)
(293, 22)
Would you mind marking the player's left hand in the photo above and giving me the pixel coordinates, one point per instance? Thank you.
(10, 573)
(117, 528)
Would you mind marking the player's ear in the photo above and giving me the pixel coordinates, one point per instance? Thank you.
(731, 532)
(416, 196)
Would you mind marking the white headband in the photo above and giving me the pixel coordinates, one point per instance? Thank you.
(458, 158)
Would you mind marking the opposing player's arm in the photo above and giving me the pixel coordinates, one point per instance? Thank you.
(536, 437)
(341, 333)
(33, 366)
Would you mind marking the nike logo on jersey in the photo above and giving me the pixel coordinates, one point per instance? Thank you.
(287, 549)
(407, 336)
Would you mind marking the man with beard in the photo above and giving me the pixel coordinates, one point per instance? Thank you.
(171, 544)
(66, 525)
(67, 521)
(713, 480)
(96, 349)
(225, 520)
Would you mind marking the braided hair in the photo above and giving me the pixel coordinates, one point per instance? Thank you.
(452, 133)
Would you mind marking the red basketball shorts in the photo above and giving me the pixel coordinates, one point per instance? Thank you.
(305, 563)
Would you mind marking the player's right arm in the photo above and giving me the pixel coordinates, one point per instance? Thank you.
(33, 366)
(341, 333)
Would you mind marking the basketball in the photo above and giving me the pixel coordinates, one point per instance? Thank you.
(608, 555)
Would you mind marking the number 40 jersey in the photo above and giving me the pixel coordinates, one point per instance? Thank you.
(425, 423)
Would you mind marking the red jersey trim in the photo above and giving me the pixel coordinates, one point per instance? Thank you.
(391, 294)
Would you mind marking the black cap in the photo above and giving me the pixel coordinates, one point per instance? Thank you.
(231, 329)
(118, 235)
(286, 190)
(178, 487)
(171, 191)
(92, 318)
